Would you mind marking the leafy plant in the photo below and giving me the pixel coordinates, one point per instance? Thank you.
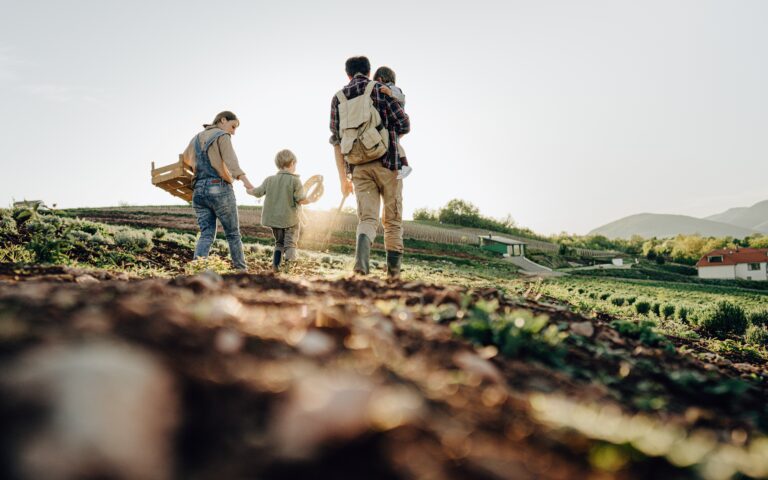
(15, 254)
(642, 307)
(668, 311)
(517, 333)
(757, 335)
(49, 248)
(643, 330)
(724, 319)
(134, 240)
(759, 317)
(618, 301)
(7, 223)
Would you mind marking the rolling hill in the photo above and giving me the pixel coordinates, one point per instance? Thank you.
(754, 217)
(649, 225)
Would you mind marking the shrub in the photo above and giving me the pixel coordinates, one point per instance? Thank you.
(134, 240)
(159, 233)
(656, 308)
(618, 301)
(592, 295)
(100, 239)
(757, 335)
(668, 311)
(87, 226)
(49, 248)
(581, 291)
(425, 214)
(682, 314)
(642, 307)
(724, 319)
(643, 330)
(759, 317)
(604, 296)
(80, 236)
(7, 223)
(631, 300)
(15, 254)
(182, 240)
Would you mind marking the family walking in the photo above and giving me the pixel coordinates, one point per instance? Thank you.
(367, 120)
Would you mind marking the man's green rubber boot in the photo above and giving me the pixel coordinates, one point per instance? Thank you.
(362, 254)
(394, 263)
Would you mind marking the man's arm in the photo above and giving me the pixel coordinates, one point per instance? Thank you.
(335, 140)
(341, 167)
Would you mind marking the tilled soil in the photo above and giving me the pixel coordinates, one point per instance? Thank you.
(262, 376)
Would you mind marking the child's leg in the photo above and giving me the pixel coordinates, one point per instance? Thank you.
(401, 154)
(291, 240)
(279, 234)
(405, 170)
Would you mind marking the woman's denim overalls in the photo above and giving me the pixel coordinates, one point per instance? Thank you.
(215, 198)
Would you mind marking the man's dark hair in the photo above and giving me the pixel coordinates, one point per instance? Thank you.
(384, 75)
(357, 65)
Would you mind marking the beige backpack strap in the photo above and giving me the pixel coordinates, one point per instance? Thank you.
(369, 88)
(340, 95)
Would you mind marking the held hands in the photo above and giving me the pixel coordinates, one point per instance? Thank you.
(248, 185)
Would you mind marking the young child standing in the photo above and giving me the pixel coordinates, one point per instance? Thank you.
(386, 76)
(284, 196)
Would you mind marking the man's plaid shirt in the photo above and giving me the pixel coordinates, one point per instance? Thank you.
(393, 118)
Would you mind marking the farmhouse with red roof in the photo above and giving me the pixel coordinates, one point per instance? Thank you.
(733, 263)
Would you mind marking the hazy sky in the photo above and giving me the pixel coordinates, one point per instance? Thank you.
(565, 114)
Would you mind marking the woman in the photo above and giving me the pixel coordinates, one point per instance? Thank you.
(211, 156)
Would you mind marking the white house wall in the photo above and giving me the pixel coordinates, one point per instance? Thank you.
(718, 272)
(742, 271)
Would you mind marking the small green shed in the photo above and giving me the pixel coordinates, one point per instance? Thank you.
(502, 245)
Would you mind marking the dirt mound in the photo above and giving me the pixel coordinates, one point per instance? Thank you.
(280, 378)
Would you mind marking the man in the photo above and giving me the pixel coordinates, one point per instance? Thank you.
(376, 181)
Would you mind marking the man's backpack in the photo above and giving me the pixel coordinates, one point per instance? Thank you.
(363, 137)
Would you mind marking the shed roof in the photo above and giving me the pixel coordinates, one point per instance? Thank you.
(504, 240)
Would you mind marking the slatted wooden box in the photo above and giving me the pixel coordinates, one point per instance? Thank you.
(175, 179)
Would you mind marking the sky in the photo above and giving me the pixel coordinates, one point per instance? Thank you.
(564, 114)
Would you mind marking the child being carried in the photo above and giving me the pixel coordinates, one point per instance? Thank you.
(386, 76)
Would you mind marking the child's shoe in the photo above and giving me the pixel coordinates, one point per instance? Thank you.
(404, 172)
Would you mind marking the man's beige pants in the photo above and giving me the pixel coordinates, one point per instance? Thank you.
(373, 183)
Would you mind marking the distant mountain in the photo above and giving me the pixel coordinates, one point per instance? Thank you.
(754, 217)
(657, 225)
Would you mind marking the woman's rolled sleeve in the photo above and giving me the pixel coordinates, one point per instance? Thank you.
(229, 157)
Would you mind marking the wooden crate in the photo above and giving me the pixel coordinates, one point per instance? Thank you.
(175, 179)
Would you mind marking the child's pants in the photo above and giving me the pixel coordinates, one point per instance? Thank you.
(286, 240)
